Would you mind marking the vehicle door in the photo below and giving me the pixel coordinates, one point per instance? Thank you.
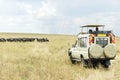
(83, 44)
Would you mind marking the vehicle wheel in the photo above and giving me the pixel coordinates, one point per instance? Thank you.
(71, 59)
(83, 62)
(69, 53)
(106, 63)
(95, 64)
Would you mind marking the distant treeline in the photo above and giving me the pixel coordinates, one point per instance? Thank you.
(23, 39)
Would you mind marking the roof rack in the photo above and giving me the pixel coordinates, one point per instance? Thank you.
(93, 26)
(89, 28)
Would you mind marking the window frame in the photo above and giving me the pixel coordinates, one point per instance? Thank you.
(108, 40)
(85, 40)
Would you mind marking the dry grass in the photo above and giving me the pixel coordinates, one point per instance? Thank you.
(48, 61)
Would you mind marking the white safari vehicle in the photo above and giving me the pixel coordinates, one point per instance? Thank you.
(93, 47)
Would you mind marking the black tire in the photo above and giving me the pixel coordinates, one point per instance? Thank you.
(106, 63)
(71, 59)
(95, 63)
(84, 62)
(69, 53)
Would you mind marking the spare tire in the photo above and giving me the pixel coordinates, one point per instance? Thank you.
(95, 51)
(110, 51)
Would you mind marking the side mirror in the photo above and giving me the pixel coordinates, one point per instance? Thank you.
(73, 45)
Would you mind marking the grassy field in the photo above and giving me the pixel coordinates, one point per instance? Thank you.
(48, 61)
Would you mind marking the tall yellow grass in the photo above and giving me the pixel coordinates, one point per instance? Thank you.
(48, 61)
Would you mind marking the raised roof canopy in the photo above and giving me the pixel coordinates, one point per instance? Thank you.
(93, 26)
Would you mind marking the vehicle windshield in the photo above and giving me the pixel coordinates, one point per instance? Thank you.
(102, 41)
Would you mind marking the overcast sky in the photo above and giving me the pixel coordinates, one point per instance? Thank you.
(58, 16)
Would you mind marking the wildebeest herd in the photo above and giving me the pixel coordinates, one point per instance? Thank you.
(23, 39)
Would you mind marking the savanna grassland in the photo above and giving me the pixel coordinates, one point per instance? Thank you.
(48, 60)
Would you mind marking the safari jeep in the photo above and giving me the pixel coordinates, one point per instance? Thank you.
(93, 47)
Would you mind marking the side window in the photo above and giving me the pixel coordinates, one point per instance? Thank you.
(83, 42)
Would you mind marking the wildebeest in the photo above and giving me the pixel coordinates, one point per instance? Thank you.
(20, 39)
(10, 39)
(42, 40)
(28, 39)
(46, 40)
(2, 40)
(24, 39)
